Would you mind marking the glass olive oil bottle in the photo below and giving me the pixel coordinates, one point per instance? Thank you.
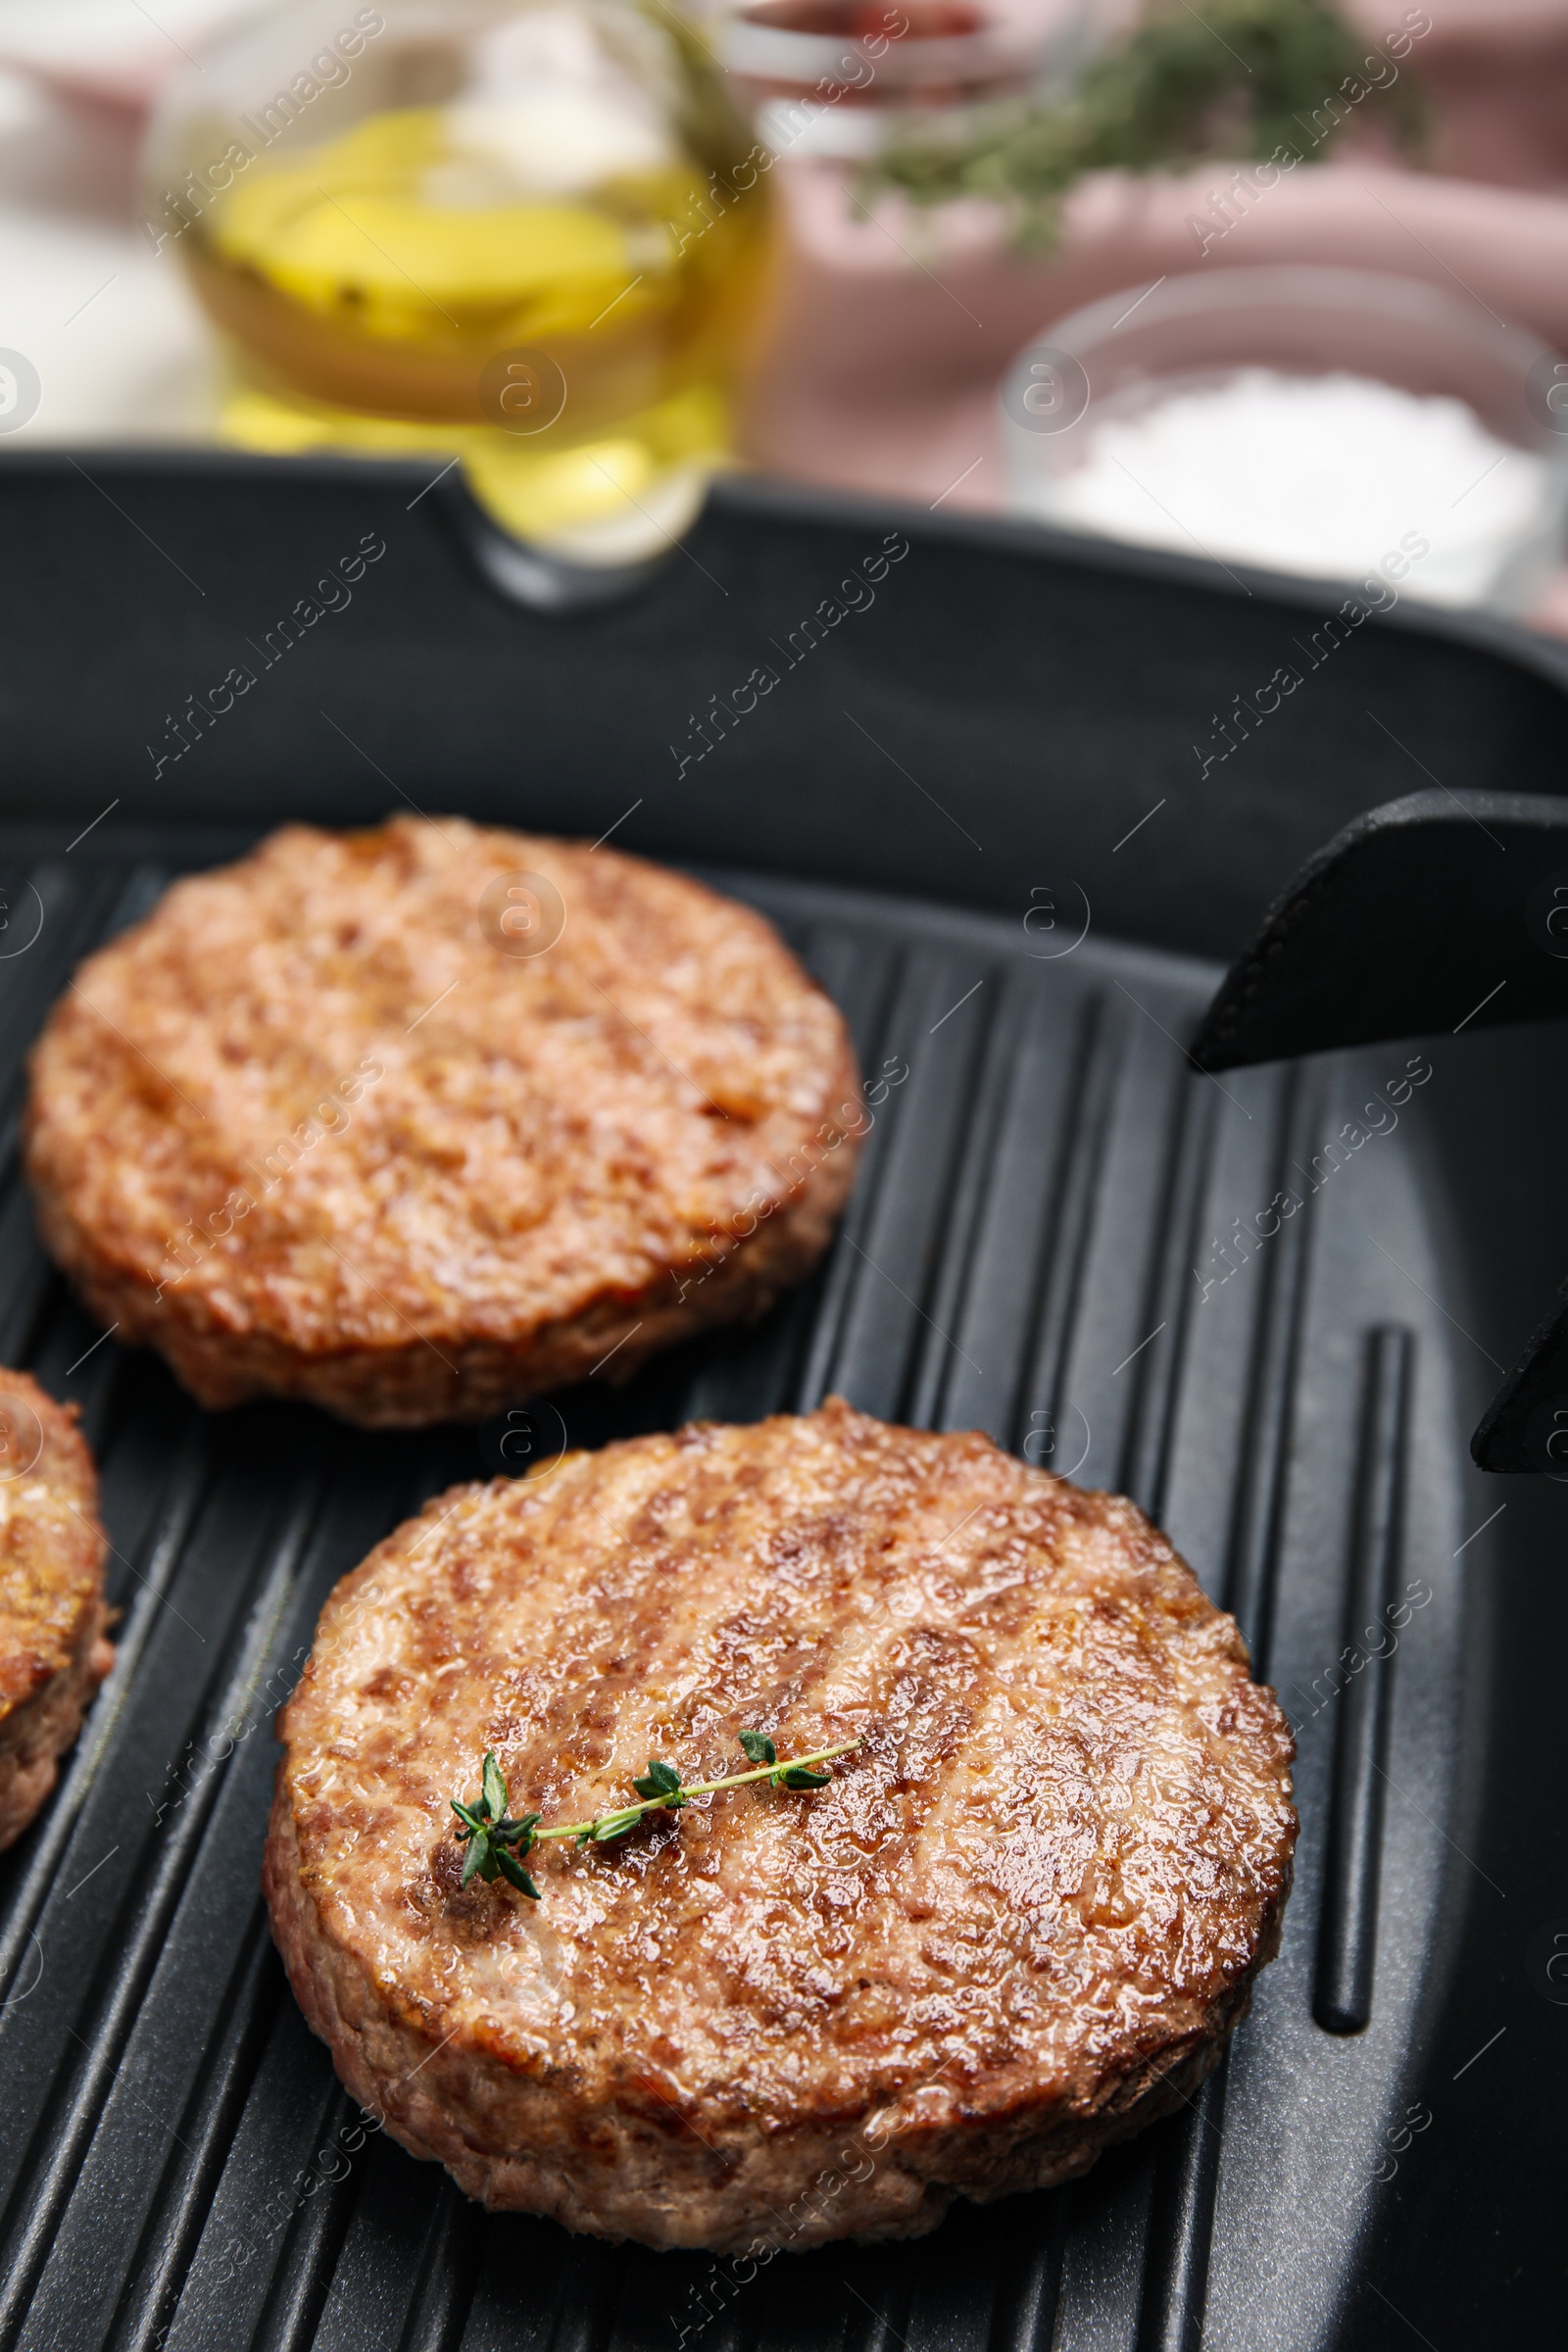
(531, 234)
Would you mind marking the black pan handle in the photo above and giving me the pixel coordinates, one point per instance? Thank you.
(1432, 912)
(1439, 912)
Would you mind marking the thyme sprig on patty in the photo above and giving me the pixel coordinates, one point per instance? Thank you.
(498, 1842)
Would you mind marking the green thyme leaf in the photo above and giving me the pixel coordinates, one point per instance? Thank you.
(494, 1787)
(660, 1780)
(613, 1825)
(796, 1776)
(758, 1748)
(474, 1825)
(516, 1876)
(517, 1834)
(475, 1859)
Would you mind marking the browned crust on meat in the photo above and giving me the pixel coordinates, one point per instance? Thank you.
(1019, 1925)
(52, 1615)
(309, 1132)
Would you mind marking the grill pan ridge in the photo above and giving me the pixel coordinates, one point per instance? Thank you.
(179, 2167)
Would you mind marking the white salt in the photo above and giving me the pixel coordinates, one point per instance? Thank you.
(1325, 475)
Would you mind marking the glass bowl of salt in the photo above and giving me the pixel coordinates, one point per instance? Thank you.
(1334, 423)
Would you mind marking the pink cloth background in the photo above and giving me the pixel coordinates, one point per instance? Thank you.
(892, 332)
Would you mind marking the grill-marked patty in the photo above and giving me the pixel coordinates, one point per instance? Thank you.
(1019, 1924)
(53, 1655)
(325, 1125)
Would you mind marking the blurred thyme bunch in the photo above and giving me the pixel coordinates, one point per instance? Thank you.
(1243, 81)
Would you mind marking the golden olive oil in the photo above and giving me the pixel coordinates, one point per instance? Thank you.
(367, 283)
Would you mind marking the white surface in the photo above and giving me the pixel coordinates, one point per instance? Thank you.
(120, 346)
(1322, 475)
(110, 49)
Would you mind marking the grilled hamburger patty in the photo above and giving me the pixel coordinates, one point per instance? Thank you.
(53, 1655)
(314, 1128)
(1019, 1924)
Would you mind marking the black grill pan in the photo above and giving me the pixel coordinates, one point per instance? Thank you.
(1043, 1243)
